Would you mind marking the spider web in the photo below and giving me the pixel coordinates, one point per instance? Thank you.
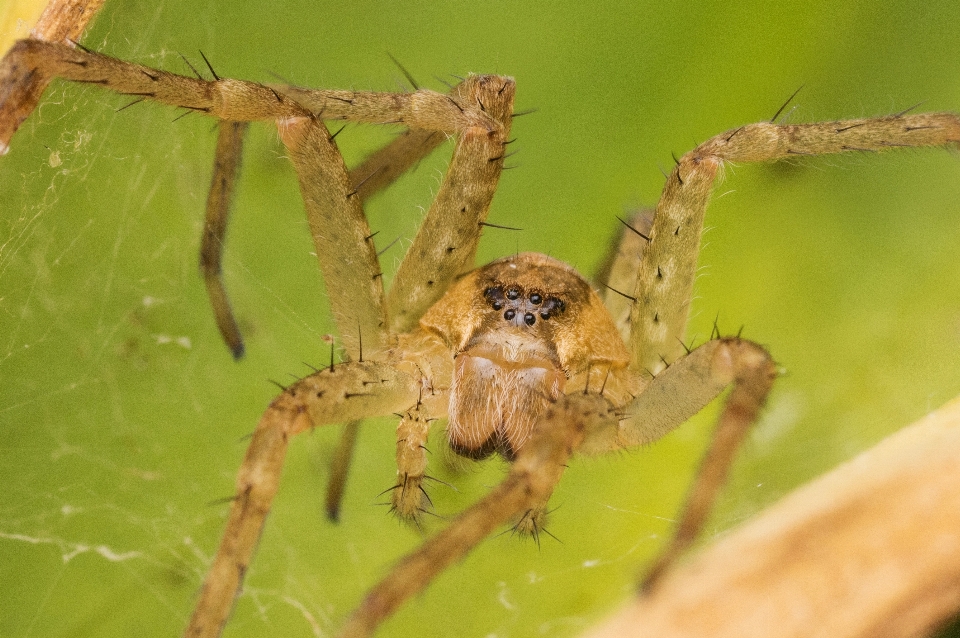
(123, 418)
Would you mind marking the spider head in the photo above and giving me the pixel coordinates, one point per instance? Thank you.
(518, 328)
(534, 299)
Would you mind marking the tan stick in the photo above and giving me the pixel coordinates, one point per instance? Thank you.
(62, 21)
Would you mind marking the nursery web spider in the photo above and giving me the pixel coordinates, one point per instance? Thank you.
(522, 357)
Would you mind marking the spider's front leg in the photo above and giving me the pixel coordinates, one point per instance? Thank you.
(664, 283)
(347, 391)
(61, 21)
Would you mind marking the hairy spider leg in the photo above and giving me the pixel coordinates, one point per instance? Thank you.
(664, 283)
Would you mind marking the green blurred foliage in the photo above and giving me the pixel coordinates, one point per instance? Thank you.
(122, 415)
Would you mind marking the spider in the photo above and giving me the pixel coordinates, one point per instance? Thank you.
(522, 356)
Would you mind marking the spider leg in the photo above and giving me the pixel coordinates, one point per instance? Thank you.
(226, 99)
(61, 21)
(664, 283)
(446, 243)
(676, 394)
(617, 274)
(382, 167)
(531, 480)
(407, 495)
(339, 468)
(420, 110)
(349, 391)
(341, 235)
(226, 167)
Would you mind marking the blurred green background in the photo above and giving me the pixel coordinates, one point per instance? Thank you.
(122, 415)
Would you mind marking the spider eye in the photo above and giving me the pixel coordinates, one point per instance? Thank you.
(535, 299)
(510, 314)
(494, 295)
(552, 306)
(529, 319)
(513, 294)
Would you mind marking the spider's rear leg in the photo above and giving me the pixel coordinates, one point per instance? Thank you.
(348, 391)
(226, 167)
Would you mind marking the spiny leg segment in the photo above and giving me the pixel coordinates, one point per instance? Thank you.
(408, 496)
(226, 168)
(664, 284)
(347, 391)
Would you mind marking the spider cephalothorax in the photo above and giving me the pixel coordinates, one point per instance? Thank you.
(519, 329)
